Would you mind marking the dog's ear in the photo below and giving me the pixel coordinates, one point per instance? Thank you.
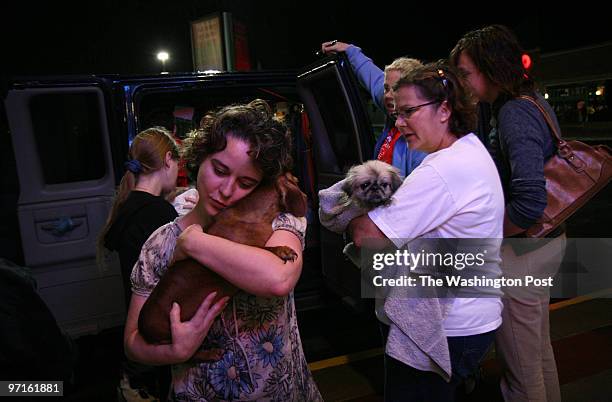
(396, 182)
(396, 179)
(291, 198)
(347, 186)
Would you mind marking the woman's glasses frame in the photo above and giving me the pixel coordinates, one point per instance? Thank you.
(406, 113)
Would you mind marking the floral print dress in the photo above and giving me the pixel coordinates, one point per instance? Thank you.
(263, 358)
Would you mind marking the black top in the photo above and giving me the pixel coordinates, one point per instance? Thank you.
(140, 215)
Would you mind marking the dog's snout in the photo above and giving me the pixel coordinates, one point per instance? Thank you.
(374, 187)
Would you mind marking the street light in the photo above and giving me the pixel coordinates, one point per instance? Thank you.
(163, 56)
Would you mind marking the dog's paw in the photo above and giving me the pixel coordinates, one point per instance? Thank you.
(283, 252)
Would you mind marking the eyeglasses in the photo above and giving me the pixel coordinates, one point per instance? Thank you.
(406, 113)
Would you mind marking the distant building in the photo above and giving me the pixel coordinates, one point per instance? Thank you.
(578, 84)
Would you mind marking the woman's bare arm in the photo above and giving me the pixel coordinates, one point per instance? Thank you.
(187, 336)
(252, 269)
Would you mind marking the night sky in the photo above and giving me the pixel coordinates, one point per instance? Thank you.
(58, 37)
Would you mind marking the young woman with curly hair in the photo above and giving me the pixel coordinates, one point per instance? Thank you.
(237, 148)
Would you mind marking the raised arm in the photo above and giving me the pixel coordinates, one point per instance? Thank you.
(370, 76)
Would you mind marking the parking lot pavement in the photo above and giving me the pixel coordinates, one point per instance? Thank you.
(344, 352)
(326, 332)
(582, 340)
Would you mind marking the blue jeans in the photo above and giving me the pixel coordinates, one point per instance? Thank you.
(407, 384)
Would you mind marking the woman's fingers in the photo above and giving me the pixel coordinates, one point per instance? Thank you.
(328, 47)
(175, 314)
(193, 198)
(207, 311)
(333, 47)
(190, 202)
(204, 313)
(214, 311)
(187, 336)
(204, 307)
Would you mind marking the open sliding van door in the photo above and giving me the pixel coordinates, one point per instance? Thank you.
(61, 138)
(342, 137)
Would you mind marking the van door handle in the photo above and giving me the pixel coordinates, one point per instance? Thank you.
(61, 226)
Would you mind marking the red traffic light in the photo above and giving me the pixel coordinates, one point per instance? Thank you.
(526, 59)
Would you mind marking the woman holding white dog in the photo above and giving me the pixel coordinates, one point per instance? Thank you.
(454, 193)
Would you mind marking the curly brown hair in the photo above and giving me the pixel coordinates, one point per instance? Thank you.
(439, 82)
(253, 123)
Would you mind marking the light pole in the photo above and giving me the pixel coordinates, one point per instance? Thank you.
(163, 56)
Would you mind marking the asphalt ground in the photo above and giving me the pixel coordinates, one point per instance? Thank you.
(344, 352)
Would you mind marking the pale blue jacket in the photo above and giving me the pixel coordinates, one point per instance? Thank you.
(372, 79)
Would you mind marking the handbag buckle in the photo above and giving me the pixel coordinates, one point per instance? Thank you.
(565, 152)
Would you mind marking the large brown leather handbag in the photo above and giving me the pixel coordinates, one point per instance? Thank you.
(574, 174)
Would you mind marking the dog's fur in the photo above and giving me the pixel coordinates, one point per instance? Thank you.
(368, 186)
(187, 282)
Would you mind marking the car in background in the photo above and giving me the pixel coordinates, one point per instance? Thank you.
(70, 138)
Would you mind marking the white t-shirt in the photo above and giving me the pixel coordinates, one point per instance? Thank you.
(455, 193)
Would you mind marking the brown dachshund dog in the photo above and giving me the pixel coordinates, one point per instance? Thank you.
(187, 282)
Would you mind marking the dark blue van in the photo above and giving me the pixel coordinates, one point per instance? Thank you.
(70, 137)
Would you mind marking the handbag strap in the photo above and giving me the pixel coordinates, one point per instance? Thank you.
(563, 148)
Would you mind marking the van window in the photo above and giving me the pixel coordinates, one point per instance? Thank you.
(337, 119)
(377, 116)
(181, 112)
(68, 133)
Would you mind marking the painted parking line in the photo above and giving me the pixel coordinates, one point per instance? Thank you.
(345, 359)
(580, 299)
(367, 354)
